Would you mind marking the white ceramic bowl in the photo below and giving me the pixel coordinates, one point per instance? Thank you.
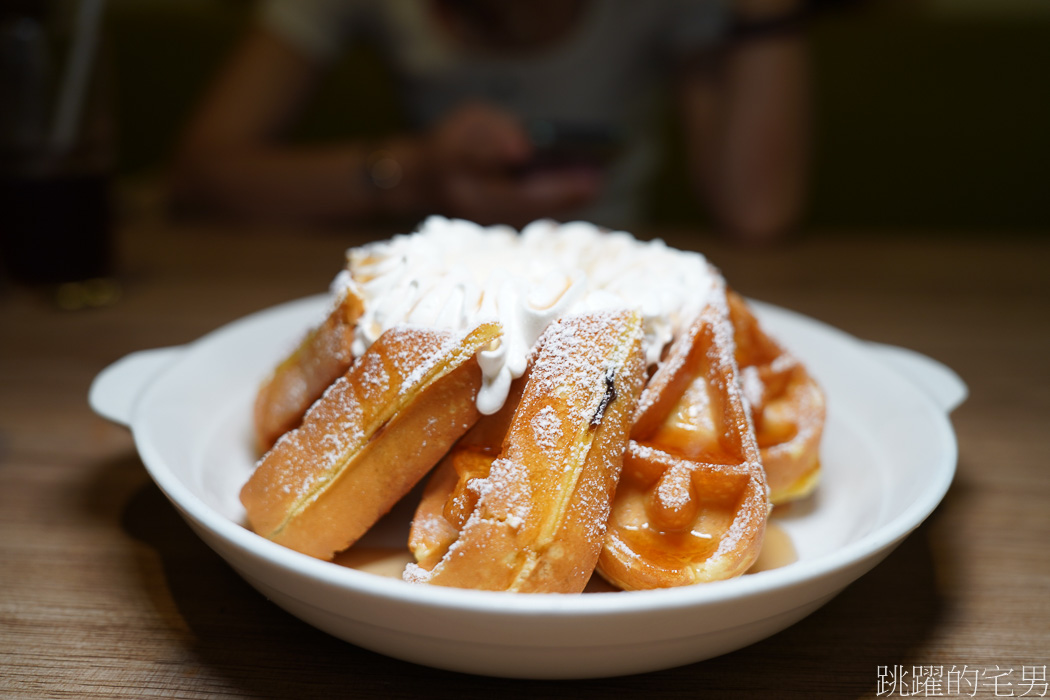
(889, 455)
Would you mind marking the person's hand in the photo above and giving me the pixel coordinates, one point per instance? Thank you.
(478, 161)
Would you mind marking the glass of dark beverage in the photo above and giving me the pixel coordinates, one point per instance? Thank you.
(56, 146)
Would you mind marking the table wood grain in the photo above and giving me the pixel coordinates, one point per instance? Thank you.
(105, 592)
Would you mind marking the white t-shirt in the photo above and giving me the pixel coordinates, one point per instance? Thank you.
(605, 73)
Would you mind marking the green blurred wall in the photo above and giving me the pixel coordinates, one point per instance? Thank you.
(921, 119)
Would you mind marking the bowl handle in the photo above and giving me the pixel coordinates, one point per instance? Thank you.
(942, 384)
(116, 389)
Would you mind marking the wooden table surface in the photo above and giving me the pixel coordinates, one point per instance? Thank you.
(107, 593)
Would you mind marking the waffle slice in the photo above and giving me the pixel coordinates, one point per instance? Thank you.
(450, 494)
(787, 407)
(527, 512)
(368, 440)
(298, 381)
(692, 502)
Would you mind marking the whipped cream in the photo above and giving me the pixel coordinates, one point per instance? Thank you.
(455, 274)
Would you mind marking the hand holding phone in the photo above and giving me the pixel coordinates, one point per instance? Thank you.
(559, 145)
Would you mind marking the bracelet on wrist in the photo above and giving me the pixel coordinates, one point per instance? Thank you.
(383, 170)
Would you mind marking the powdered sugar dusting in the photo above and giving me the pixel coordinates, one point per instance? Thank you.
(546, 426)
(414, 573)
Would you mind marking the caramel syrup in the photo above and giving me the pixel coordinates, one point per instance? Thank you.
(777, 550)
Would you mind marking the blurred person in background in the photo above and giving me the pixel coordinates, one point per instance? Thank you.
(518, 109)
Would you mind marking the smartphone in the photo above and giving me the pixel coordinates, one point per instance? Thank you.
(569, 145)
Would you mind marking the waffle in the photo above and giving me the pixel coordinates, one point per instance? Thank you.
(787, 407)
(527, 512)
(324, 355)
(692, 502)
(374, 433)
